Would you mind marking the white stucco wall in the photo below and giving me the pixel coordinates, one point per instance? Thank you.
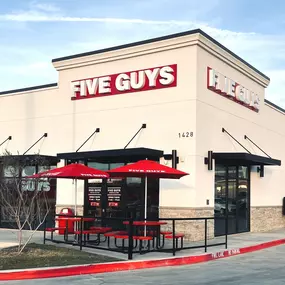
(265, 128)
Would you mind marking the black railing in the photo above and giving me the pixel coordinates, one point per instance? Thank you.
(132, 234)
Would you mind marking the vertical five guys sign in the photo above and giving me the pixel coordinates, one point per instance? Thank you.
(133, 81)
(232, 90)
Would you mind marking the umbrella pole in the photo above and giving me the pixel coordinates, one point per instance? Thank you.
(75, 200)
(145, 203)
(75, 207)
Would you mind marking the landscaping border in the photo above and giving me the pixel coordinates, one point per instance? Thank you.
(65, 271)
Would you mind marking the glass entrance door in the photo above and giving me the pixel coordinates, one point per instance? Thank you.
(232, 198)
(243, 194)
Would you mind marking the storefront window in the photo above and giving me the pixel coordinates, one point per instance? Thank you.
(99, 165)
(28, 170)
(45, 168)
(10, 171)
(220, 185)
(243, 172)
(115, 165)
(133, 181)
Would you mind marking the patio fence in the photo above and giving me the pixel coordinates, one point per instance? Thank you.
(173, 225)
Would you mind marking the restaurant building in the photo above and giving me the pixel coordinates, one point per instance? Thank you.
(183, 100)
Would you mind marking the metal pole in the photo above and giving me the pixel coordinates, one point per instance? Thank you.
(206, 234)
(96, 131)
(75, 209)
(173, 238)
(145, 203)
(8, 139)
(75, 200)
(43, 136)
(142, 127)
(226, 238)
(45, 225)
(246, 137)
(224, 131)
(130, 248)
(81, 229)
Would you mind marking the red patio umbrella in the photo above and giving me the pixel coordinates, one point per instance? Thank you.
(72, 171)
(147, 168)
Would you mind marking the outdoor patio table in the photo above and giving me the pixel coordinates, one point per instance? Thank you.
(155, 224)
(74, 219)
(146, 223)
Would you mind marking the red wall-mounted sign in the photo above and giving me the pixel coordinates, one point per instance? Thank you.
(232, 90)
(127, 82)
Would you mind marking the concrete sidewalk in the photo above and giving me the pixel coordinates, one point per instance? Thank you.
(8, 237)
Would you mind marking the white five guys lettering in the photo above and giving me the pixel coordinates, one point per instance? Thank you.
(154, 78)
(232, 90)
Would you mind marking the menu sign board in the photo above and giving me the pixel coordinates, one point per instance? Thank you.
(94, 196)
(114, 196)
(114, 180)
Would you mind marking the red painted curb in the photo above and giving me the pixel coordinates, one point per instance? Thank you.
(130, 265)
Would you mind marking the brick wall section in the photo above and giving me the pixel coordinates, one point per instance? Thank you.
(193, 230)
(262, 219)
(266, 218)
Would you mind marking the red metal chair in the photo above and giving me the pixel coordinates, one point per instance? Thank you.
(52, 230)
(176, 237)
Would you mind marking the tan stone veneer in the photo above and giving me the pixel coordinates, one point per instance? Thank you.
(266, 218)
(193, 230)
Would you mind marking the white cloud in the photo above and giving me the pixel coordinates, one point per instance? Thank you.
(47, 7)
(36, 16)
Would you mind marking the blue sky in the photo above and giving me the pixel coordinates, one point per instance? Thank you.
(34, 32)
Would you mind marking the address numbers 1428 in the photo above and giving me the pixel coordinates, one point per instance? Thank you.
(185, 135)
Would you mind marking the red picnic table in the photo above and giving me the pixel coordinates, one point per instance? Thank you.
(80, 231)
(146, 223)
(75, 219)
(155, 233)
(70, 228)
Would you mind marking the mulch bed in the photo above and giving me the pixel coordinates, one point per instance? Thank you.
(39, 255)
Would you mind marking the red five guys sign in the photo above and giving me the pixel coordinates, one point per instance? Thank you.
(127, 82)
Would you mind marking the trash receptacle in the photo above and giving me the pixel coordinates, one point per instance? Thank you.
(66, 212)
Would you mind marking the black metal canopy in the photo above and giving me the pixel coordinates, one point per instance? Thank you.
(243, 158)
(113, 154)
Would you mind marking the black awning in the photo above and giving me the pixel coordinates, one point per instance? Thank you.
(113, 154)
(31, 159)
(243, 158)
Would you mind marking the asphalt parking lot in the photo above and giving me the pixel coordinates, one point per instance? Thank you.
(262, 267)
